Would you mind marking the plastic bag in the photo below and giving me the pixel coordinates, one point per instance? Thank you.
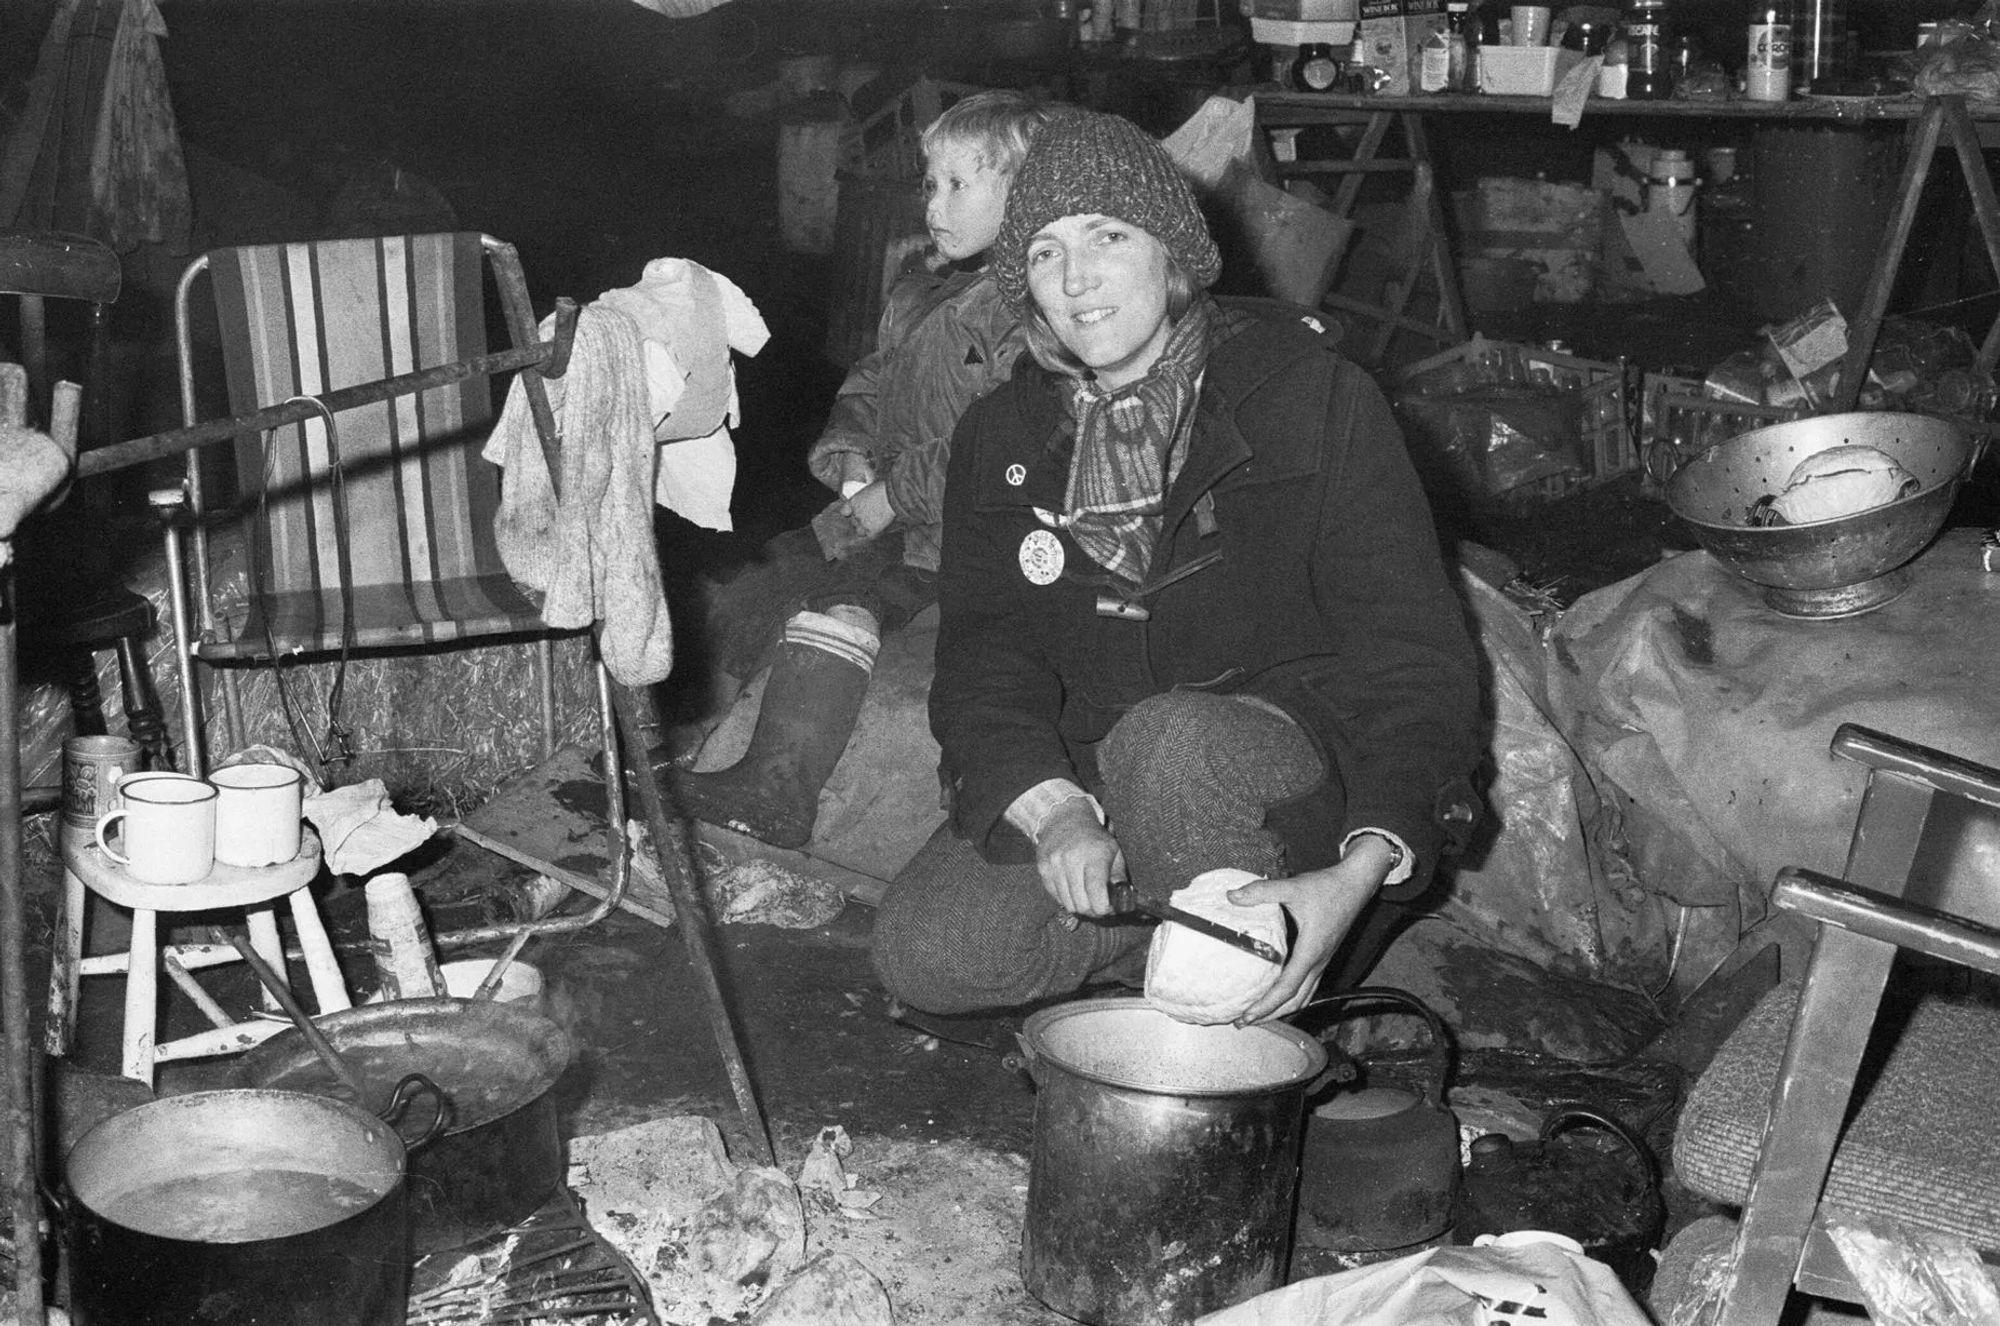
(1914, 1277)
(1527, 1278)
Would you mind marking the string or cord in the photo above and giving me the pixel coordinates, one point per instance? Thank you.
(338, 746)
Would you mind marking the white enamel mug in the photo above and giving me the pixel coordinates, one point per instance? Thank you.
(257, 813)
(169, 833)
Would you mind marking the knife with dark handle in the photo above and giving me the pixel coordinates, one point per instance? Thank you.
(1127, 899)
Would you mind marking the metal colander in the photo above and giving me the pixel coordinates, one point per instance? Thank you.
(1828, 568)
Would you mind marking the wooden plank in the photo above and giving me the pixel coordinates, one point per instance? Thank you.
(1331, 107)
(1843, 988)
(1881, 285)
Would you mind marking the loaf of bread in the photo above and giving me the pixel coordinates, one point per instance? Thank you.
(1841, 481)
(1193, 978)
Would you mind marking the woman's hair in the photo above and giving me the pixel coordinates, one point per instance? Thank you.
(1049, 351)
(999, 124)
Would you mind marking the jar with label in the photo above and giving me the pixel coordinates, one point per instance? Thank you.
(1647, 75)
(1315, 70)
(1767, 73)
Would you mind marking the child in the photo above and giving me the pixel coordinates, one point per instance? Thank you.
(869, 562)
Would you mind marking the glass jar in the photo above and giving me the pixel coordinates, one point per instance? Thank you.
(1315, 69)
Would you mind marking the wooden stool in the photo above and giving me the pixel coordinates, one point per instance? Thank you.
(233, 887)
(121, 621)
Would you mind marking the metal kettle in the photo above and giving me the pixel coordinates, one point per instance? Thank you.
(1379, 1168)
(1607, 1199)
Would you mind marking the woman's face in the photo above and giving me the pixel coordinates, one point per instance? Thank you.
(1102, 284)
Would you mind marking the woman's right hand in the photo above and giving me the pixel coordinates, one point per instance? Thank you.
(1078, 858)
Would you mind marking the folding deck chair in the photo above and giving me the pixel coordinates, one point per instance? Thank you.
(369, 525)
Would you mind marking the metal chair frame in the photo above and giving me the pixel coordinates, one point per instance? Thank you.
(1905, 888)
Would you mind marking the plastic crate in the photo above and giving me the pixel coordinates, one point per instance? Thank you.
(1609, 445)
(1678, 421)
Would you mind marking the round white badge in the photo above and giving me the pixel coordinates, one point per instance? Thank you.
(1041, 557)
(1016, 475)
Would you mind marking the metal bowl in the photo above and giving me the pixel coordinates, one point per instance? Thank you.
(1827, 568)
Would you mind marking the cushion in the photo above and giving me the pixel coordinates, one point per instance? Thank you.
(1924, 1145)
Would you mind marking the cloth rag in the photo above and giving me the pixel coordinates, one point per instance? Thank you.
(360, 831)
(591, 553)
(689, 319)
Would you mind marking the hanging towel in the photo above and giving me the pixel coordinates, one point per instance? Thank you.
(690, 319)
(592, 553)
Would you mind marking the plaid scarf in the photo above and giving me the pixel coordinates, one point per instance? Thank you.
(1129, 447)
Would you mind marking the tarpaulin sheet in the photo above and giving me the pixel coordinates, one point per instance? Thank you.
(1704, 716)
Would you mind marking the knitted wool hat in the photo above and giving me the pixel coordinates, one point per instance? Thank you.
(1084, 163)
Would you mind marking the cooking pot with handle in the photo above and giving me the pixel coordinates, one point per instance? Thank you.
(501, 1155)
(242, 1206)
(1165, 1160)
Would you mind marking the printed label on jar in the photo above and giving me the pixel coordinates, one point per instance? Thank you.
(1768, 74)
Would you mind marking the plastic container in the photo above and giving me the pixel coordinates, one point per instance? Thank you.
(519, 984)
(1524, 71)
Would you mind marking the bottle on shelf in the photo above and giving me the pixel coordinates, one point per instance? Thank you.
(1462, 46)
(1315, 69)
(1648, 75)
(1819, 43)
(1767, 72)
(1434, 63)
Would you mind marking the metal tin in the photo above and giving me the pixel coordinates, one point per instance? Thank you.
(92, 767)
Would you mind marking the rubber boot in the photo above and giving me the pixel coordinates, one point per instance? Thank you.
(811, 702)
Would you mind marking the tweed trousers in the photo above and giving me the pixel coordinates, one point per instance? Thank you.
(1187, 778)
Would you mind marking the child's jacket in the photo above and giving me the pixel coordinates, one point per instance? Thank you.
(945, 339)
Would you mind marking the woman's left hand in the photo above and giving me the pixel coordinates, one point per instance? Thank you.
(1324, 905)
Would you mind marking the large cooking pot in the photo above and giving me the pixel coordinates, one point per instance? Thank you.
(1165, 1160)
(501, 1153)
(266, 1207)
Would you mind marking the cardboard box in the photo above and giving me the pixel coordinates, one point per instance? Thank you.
(1392, 34)
(1386, 44)
(1420, 19)
(1524, 71)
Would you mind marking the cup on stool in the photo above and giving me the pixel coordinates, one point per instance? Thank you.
(169, 833)
(257, 813)
(92, 769)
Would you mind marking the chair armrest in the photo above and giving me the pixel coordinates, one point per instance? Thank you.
(1947, 773)
(1876, 916)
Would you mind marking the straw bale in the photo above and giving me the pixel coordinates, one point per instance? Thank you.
(441, 728)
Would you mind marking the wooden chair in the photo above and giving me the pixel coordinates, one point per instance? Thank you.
(1768, 1126)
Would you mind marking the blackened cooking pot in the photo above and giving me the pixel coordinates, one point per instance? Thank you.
(267, 1207)
(501, 1154)
(1165, 1161)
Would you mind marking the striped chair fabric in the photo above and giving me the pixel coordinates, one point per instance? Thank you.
(415, 530)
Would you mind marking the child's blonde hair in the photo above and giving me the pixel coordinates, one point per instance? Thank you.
(999, 124)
